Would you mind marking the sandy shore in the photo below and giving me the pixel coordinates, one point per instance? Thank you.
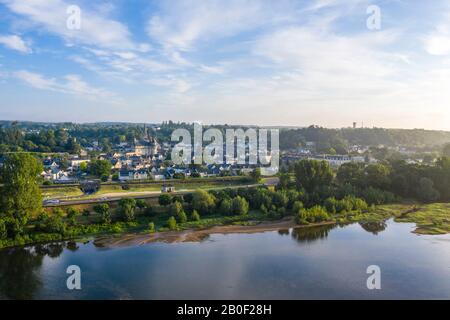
(195, 235)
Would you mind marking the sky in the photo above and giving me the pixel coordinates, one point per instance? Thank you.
(285, 62)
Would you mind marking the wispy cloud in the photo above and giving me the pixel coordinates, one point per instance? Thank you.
(15, 42)
(71, 84)
(96, 29)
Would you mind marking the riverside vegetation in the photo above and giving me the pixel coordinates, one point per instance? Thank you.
(310, 192)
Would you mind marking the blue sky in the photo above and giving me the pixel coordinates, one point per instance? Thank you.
(237, 61)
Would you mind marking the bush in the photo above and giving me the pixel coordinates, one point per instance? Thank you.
(72, 215)
(312, 215)
(239, 206)
(3, 230)
(203, 202)
(181, 216)
(86, 213)
(195, 216)
(165, 199)
(330, 205)
(172, 223)
(127, 207)
(297, 206)
(51, 223)
(103, 210)
(151, 227)
(141, 204)
(225, 207)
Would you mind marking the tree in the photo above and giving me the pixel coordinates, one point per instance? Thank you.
(165, 199)
(312, 174)
(225, 207)
(256, 175)
(176, 210)
(446, 150)
(426, 190)
(284, 181)
(100, 168)
(141, 204)
(239, 206)
(127, 207)
(103, 210)
(203, 202)
(377, 176)
(72, 215)
(195, 216)
(151, 227)
(351, 173)
(172, 223)
(20, 195)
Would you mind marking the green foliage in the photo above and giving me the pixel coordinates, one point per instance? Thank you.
(315, 214)
(172, 223)
(311, 174)
(239, 206)
(297, 206)
(127, 207)
(226, 207)
(72, 215)
(3, 230)
(330, 205)
(165, 199)
(151, 227)
(426, 190)
(203, 202)
(195, 216)
(51, 223)
(103, 210)
(100, 168)
(256, 175)
(20, 195)
(141, 204)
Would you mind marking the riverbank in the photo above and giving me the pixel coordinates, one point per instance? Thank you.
(196, 235)
(431, 219)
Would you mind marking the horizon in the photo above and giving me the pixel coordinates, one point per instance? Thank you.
(216, 124)
(289, 62)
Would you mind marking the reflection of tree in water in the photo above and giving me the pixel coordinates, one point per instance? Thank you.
(374, 227)
(19, 270)
(310, 234)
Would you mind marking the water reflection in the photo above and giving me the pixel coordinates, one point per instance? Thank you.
(312, 234)
(374, 227)
(20, 269)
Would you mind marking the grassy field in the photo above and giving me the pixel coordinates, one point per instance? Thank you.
(429, 218)
(68, 193)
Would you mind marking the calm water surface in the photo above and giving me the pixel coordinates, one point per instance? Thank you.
(321, 262)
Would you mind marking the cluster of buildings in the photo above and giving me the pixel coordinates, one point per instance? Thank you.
(144, 160)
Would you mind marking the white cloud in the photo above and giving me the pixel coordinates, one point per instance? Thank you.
(96, 29)
(438, 42)
(181, 23)
(73, 84)
(15, 42)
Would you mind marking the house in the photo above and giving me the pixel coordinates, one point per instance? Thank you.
(125, 175)
(168, 189)
(75, 162)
